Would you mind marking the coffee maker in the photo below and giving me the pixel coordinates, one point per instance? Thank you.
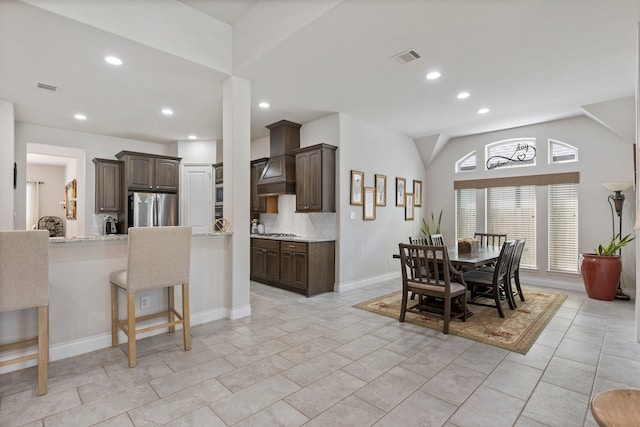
(109, 225)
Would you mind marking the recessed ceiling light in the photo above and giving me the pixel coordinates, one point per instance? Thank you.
(433, 75)
(463, 95)
(193, 137)
(483, 111)
(264, 104)
(113, 60)
(80, 116)
(167, 111)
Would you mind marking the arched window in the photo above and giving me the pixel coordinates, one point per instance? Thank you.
(511, 153)
(466, 163)
(561, 152)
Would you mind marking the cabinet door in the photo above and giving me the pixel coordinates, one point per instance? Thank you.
(108, 186)
(167, 175)
(313, 183)
(302, 167)
(258, 263)
(293, 262)
(140, 172)
(258, 204)
(197, 198)
(273, 265)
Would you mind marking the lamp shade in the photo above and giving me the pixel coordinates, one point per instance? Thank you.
(617, 186)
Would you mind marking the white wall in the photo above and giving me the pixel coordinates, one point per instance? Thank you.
(7, 148)
(94, 146)
(51, 191)
(603, 157)
(199, 152)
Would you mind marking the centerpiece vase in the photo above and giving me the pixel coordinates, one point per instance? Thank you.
(600, 275)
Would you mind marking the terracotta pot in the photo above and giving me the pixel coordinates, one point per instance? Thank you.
(600, 275)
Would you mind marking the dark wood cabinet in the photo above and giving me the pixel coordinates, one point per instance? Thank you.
(304, 267)
(265, 260)
(108, 185)
(148, 172)
(258, 204)
(315, 178)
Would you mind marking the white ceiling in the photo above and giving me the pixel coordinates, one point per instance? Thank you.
(526, 60)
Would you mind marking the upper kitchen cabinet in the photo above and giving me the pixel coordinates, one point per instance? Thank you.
(316, 178)
(108, 185)
(149, 172)
(260, 204)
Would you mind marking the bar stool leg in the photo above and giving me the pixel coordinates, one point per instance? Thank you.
(186, 323)
(131, 328)
(172, 305)
(43, 349)
(114, 316)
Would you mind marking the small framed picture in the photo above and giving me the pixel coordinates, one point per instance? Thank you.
(401, 183)
(408, 207)
(369, 211)
(357, 180)
(381, 190)
(417, 193)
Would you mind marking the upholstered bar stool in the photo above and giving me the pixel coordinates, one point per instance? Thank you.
(24, 283)
(158, 257)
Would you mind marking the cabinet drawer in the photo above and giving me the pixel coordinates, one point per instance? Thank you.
(294, 246)
(266, 243)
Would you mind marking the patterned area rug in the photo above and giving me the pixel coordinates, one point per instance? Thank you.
(516, 332)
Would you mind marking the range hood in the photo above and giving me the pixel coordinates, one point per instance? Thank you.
(279, 174)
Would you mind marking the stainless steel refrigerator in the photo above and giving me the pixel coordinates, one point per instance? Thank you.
(153, 209)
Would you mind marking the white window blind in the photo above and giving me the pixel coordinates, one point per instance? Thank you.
(563, 227)
(512, 210)
(465, 212)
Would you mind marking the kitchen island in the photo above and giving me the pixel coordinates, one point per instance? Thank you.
(79, 293)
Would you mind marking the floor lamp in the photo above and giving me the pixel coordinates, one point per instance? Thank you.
(616, 201)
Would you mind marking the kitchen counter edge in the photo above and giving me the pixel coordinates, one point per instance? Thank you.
(294, 238)
(117, 237)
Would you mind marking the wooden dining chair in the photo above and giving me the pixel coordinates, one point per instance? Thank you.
(426, 270)
(488, 284)
(514, 273)
(490, 239)
(437, 239)
(419, 240)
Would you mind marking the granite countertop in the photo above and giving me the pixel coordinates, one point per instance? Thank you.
(293, 238)
(115, 237)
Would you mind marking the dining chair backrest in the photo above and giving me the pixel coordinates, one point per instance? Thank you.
(503, 263)
(516, 257)
(419, 240)
(424, 264)
(490, 239)
(437, 239)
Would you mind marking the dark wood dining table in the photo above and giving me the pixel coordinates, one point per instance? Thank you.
(484, 255)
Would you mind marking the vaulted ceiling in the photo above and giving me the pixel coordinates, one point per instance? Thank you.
(526, 60)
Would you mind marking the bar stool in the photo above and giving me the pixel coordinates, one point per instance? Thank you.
(24, 283)
(158, 257)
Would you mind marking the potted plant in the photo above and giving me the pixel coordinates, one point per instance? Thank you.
(601, 270)
(434, 227)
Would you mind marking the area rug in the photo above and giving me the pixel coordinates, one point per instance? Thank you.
(516, 332)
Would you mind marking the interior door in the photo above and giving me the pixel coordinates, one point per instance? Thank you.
(197, 197)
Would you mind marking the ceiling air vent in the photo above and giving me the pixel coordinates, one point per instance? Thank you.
(406, 56)
(48, 87)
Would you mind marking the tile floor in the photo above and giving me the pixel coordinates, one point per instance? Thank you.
(320, 362)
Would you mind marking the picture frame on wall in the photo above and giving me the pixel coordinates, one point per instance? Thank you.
(417, 193)
(408, 207)
(357, 183)
(401, 185)
(381, 190)
(369, 210)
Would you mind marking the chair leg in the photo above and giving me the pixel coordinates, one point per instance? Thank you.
(114, 316)
(131, 328)
(447, 315)
(172, 317)
(517, 280)
(186, 322)
(43, 349)
(496, 297)
(403, 306)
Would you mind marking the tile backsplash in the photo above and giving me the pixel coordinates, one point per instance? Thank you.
(312, 225)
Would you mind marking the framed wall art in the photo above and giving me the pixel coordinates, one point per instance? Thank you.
(369, 211)
(417, 193)
(357, 181)
(408, 207)
(401, 183)
(381, 190)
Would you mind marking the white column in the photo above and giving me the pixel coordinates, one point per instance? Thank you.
(7, 159)
(236, 156)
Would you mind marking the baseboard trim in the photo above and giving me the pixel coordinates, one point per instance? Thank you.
(357, 284)
(239, 313)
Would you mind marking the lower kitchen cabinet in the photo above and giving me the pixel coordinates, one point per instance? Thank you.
(303, 267)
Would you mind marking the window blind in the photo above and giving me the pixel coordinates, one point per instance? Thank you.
(563, 227)
(465, 212)
(512, 210)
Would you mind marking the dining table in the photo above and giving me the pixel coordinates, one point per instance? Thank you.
(483, 256)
